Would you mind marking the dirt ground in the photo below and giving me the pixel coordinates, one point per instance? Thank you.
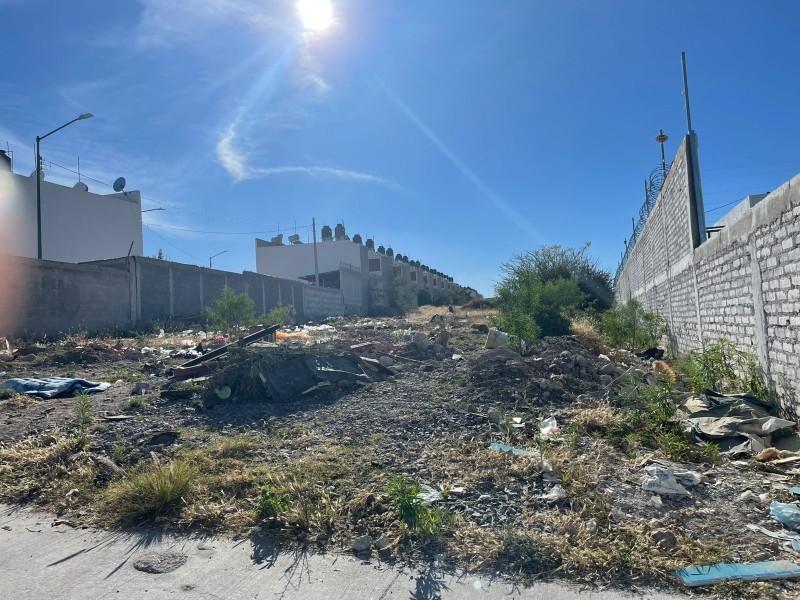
(574, 508)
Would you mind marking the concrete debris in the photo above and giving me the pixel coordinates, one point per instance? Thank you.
(160, 562)
(362, 544)
(495, 338)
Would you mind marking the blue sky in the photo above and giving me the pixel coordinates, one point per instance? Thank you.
(458, 132)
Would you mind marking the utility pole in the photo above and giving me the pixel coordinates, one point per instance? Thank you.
(316, 264)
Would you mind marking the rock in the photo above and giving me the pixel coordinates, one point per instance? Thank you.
(606, 379)
(160, 562)
(603, 357)
(608, 369)
(6, 357)
(386, 361)
(494, 415)
(383, 542)
(140, 387)
(27, 358)
(581, 361)
(768, 454)
(362, 544)
(664, 539)
(421, 341)
(131, 354)
(657, 502)
(749, 496)
(480, 327)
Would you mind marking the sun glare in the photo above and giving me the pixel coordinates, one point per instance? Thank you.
(315, 14)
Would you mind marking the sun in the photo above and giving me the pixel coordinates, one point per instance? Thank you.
(315, 14)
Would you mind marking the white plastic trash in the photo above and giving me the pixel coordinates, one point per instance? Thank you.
(495, 338)
(549, 427)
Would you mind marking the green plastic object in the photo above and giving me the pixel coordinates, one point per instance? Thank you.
(760, 571)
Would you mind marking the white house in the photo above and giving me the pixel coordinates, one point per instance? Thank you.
(77, 225)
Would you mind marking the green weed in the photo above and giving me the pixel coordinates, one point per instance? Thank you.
(152, 491)
(84, 414)
(270, 503)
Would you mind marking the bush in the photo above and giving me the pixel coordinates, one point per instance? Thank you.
(551, 263)
(424, 298)
(403, 294)
(529, 308)
(231, 310)
(724, 368)
(629, 325)
(404, 495)
(281, 315)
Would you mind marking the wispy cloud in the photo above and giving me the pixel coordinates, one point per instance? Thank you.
(235, 163)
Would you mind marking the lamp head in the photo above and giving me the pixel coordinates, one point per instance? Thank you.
(85, 116)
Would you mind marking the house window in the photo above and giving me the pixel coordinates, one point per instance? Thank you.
(374, 264)
(413, 275)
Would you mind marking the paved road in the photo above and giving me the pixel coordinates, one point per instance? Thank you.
(38, 560)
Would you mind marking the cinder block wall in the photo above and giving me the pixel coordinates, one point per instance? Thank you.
(743, 284)
(45, 298)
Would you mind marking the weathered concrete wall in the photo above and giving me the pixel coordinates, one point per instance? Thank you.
(743, 284)
(45, 298)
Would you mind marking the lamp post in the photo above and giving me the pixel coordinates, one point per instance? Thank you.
(39, 138)
(217, 254)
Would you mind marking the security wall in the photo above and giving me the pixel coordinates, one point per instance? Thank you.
(742, 284)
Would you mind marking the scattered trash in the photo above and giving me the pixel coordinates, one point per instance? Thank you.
(53, 387)
(292, 335)
(428, 495)
(652, 353)
(768, 454)
(223, 393)
(497, 446)
(556, 493)
(140, 387)
(495, 338)
(245, 341)
(786, 513)
(778, 535)
(739, 423)
(549, 428)
(795, 491)
(749, 496)
(662, 481)
(760, 571)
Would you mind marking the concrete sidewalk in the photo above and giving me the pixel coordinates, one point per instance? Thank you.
(39, 560)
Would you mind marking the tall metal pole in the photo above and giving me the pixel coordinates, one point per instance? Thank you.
(686, 92)
(316, 264)
(38, 199)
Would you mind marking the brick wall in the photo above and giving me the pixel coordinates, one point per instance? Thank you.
(743, 284)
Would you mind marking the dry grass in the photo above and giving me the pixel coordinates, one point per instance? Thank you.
(601, 418)
(151, 491)
(587, 332)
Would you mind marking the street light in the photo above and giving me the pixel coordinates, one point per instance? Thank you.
(39, 138)
(217, 254)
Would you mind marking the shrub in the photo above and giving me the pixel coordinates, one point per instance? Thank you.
(152, 491)
(551, 263)
(231, 310)
(724, 368)
(629, 325)
(530, 308)
(281, 315)
(403, 294)
(424, 298)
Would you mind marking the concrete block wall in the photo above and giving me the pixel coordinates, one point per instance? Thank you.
(742, 284)
(46, 298)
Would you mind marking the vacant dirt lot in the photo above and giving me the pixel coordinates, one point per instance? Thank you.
(332, 467)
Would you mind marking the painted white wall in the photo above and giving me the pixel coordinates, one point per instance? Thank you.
(297, 260)
(77, 226)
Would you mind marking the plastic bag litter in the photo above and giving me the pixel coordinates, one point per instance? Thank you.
(549, 427)
(291, 335)
(556, 493)
(662, 481)
(495, 338)
(786, 513)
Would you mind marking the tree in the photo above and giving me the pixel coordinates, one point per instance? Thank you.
(231, 310)
(403, 293)
(632, 326)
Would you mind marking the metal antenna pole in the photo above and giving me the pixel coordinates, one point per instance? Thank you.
(686, 92)
(316, 264)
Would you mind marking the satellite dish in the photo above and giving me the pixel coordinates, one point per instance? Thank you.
(81, 186)
(119, 184)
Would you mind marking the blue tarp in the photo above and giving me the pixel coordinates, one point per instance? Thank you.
(761, 571)
(53, 387)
